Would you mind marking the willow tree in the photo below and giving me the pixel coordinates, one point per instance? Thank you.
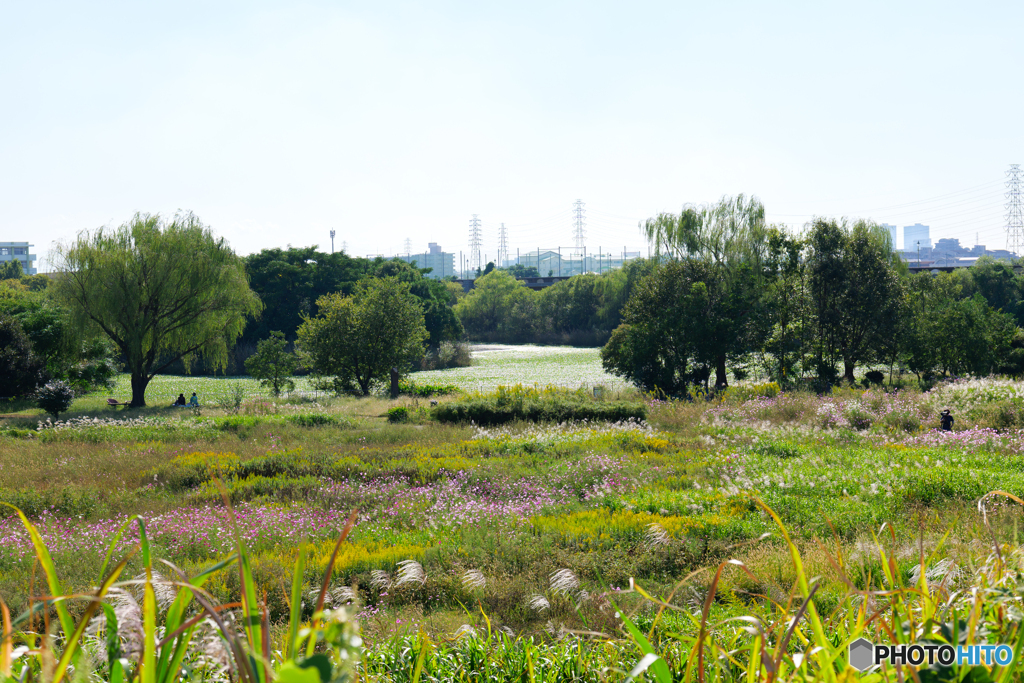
(162, 291)
(731, 237)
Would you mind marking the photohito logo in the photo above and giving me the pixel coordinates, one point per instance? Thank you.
(863, 654)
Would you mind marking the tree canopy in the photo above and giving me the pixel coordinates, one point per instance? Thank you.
(162, 291)
(357, 339)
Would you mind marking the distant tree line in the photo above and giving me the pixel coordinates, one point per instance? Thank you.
(731, 295)
(723, 296)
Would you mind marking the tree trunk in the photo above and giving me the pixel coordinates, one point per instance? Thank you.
(721, 379)
(394, 383)
(848, 367)
(139, 384)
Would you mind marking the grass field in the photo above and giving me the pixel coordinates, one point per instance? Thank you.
(544, 550)
(495, 365)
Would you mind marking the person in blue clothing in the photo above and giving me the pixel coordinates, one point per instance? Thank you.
(194, 401)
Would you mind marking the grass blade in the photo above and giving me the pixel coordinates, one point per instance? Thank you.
(295, 617)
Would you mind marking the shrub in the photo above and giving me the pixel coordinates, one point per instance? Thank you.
(232, 401)
(856, 414)
(407, 386)
(55, 397)
(874, 377)
(509, 404)
(312, 420)
(398, 414)
(1005, 414)
(447, 355)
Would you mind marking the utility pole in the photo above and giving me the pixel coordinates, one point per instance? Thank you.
(578, 226)
(502, 246)
(1014, 210)
(332, 240)
(474, 243)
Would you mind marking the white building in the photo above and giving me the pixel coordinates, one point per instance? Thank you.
(10, 251)
(441, 263)
(916, 237)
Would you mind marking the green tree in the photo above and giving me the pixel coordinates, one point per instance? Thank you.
(730, 237)
(21, 371)
(439, 317)
(498, 307)
(358, 339)
(289, 282)
(673, 329)
(11, 270)
(520, 271)
(954, 335)
(855, 284)
(161, 291)
(273, 364)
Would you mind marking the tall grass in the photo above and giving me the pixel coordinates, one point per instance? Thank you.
(164, 626)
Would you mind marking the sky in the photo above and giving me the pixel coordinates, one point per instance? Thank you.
(388, 121)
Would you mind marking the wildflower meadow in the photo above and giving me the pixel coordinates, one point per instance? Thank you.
(752, 535)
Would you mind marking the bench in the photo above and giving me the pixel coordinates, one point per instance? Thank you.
(114, 403)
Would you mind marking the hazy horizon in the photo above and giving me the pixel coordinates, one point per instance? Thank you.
(400, 120)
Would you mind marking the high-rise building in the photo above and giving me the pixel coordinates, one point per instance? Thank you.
(892, 231)
(11, 251)
(916, 237)
(441, 263)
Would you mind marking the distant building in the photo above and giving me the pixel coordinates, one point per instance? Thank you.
(916, 237)
(11, 251)
(892, 231)
(440, 262)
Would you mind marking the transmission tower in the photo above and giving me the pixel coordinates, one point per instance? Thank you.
(344, 246)
(502, 246)
(408, 247)
(1014, 210)
(474, 243)
(578, 227)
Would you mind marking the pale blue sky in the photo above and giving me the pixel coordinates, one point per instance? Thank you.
(275, 122)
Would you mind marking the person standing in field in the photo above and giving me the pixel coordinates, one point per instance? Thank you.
(946, 421)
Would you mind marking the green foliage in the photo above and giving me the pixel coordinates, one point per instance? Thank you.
(358, 339)
(857, 293)
(681, 324)
(20, 370)
(498, 306)
(11, 270)
(55, 397)
(518, 403)
(411, 388)
(313, 420)
(72, 501)
(273, 364)
(290, 281)
(398, 414)
(161, 291)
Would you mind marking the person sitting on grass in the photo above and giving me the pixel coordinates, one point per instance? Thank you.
(946, 421)
(180, 401)
(194, 401)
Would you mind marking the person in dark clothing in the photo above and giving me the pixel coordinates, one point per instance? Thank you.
(180, 400)
(946, 421)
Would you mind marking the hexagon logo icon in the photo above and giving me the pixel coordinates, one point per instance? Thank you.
(861, 654)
